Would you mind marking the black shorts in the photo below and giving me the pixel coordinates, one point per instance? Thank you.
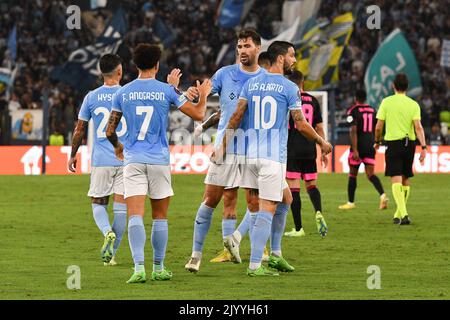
(399, 158)
(305, 169)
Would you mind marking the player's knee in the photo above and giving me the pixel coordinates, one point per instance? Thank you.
(211, 201)
(101, 201)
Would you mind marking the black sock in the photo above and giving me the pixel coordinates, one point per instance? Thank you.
(377, 184)
(296, 208)
(314, 195)
(351, 188)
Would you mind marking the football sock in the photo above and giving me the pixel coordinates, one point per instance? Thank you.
(201, 226)
(160, 234)
(278, 225)
(228, 226)
(377, 184)
(244, 226)
(296, 208)
(351, 188)
(136, 238)
(314, 195)
(406, 190)
(399, 196)
(119, 223)
(101, 217)
(259, 236)
(252, 221)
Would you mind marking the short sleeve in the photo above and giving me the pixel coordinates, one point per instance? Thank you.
(85, 113)
(117, 102)
(294, 97)
(381, 114)
(352, 117)
(416, 115)
(216, 82)
(176, 97)
(244, 92)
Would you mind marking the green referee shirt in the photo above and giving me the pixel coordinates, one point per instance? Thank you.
(399, 111)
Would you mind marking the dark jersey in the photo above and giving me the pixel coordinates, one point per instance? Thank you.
(363, 117)
(298, 146)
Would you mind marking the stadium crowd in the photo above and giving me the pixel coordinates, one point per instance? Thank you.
(44, 42)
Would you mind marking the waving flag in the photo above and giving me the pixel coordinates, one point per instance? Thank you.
(81, 69)
(393, 56)
(319, 54)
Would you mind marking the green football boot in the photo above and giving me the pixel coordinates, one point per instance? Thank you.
(280, 264)
(164, 274)
(261, 271)
(108, 247)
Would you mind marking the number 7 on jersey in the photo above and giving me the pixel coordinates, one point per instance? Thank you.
(148, 111)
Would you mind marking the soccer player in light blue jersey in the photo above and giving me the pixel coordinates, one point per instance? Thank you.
(223, 180)
(106, 170)
(265, 101)
(144, 103)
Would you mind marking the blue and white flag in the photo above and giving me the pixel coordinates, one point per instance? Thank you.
(81, 70)
(12, 43)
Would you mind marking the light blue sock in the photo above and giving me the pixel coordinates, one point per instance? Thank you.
(252, 222)
(278, 225)
(136, 238)
(201, 226)
(160, 234)
(101, 217)
(119, 223)
(259, 236)
(244, 226)
(228, 226)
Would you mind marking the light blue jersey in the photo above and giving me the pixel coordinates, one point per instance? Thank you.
(145, 105)
(97, 105)
(270, 96)
(228, 82)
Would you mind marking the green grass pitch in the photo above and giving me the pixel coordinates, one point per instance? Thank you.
(47, 225)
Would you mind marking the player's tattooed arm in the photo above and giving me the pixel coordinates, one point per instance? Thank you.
(113, 123)
(77, 138)
(305, 129)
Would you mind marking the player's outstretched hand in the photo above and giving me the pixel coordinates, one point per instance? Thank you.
(173, 77)
(191, 93)
(355, 155)
(72, 164)
(119, 152)
(204, 89)
(423, 154)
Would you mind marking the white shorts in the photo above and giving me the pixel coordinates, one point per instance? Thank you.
(226, 175)
(268, 176)
(106, 181)
(142, 179)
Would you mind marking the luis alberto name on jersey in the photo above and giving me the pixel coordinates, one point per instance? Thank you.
(270, 96)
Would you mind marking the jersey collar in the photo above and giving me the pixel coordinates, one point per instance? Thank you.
(247, 72)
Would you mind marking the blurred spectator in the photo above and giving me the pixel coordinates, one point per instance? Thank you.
(436, 138)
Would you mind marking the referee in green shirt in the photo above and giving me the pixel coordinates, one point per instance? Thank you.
(401, 116)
